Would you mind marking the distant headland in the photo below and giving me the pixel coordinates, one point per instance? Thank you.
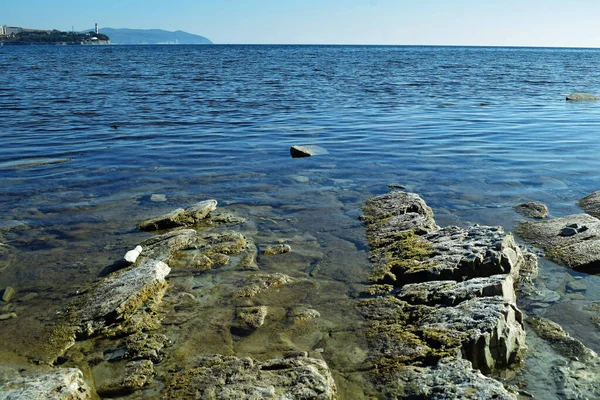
(12, 35)
(153, 36)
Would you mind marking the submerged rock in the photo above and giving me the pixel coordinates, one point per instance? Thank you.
(277, 249)
(233, 378)
(8, 294)
(456, 302)
(532, 210)
(249, 319)
(573, 241)
(306, 151)
(56, 384)
(581, 97)
(180, 217)
(258, 283)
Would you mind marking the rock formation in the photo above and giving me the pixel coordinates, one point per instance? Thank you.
(453, 309)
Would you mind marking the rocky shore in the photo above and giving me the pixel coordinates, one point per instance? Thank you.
(176, 317)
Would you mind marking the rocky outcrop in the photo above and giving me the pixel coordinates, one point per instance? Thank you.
(56, 384)
(233, 378)
(453, 309)
(179, 217)
(532, 210)
(591, 204)
(306, 151)
(122, 303)
(581, 97)
(573, 241)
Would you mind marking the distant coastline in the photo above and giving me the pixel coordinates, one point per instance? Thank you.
(20, 36)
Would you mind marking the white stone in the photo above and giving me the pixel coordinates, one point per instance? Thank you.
(132, 255)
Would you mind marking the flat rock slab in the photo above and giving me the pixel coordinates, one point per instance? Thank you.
(58, 384)
(573, 241)
(307, 151)
(116, 298)
(532, 210)
(581, 97)
(179, 217)
(233, 378)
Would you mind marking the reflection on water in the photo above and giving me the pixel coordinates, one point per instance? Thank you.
(474, 131)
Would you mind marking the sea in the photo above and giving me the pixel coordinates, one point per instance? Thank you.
(95, 139)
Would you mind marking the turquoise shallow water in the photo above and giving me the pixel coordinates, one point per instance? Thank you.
(474, 131)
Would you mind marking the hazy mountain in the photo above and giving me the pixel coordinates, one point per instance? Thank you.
(152, 36)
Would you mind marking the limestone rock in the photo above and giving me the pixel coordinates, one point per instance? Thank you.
(110, 306)
(162, 247)
(532, 210)
(591, 204)
(573, 240)
(206, 251)
(249, 319)
(306, 151)
(581, 97)
(455, 302)
(258, 283)
(232, 378)
(448, 380)
(277, 249)
(56, 384)
(179, 217)
(118, 378)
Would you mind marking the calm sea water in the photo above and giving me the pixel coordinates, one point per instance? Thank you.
(474, 131)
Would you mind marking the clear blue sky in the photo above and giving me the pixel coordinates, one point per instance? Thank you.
(572, 23)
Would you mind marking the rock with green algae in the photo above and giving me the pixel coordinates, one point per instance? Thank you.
(456, 299)
(233, 378)
(112, 379)
(207, 251)
(122, 302)
(257, 283)
(277, 249)
(53, 384)
(448, 380)
(532, 210)
(249, 319)
(179, 217)
(573, 240)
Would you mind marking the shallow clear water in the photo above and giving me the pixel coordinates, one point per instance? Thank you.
(474, 131)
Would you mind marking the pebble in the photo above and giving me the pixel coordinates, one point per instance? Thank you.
(8, 294)
(8, 316)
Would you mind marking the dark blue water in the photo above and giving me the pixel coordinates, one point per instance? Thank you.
(474, 131)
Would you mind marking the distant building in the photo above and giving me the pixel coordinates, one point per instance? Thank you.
(12, 30)
(2, 30)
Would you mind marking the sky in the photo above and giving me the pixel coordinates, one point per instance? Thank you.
(551, 23)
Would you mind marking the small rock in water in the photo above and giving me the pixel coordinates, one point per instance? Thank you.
(158, 198)
(277, 249)
(132, 255)
(8, 316)
(581, 96)
(300, 178)
(306, 151)
(576, 286)
(532, 210)
(8, 294)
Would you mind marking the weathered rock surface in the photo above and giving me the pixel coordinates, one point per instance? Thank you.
(581, 97)
(306, 151)
(456, 302)
(57, 384)
(277, 249)
(257, 283)
(122, 302)
(179, 217)
(448, 380)
(232, 378)
(591, 204)
(573, 240)
(532, 210)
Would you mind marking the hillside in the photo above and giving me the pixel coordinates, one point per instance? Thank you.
(152, 36)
